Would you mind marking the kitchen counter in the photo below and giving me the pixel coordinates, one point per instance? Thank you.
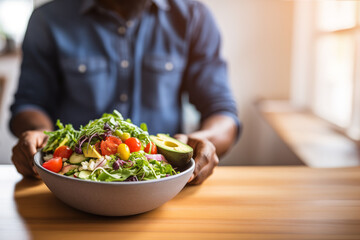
(234, 203)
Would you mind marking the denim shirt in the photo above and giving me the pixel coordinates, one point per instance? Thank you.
(81, 60)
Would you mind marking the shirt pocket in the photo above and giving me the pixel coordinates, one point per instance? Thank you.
(87, 81)
(162, 75)
(83, 66)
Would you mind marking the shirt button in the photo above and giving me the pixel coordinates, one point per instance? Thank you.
(169, 66)
(124, 64)
(121, 30)
(129, 23)
(82, 68)
(123, 97)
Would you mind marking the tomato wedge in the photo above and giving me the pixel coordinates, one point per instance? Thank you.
(108, 147)
(114, 139)
(63, 152)
(54, 164)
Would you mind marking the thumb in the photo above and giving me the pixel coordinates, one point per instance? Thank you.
(43, 142)
(40, 139)
(182, 138)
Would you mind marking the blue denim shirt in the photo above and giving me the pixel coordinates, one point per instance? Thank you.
(81, 60)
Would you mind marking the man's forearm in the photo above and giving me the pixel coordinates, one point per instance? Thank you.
(30, 120)
(221, 130)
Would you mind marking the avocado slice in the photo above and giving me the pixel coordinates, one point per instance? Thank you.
(90, 151)
(176, 153)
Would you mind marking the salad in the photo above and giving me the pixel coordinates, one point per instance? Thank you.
(106, 149)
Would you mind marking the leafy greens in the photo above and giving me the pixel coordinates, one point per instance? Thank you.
(139, 167)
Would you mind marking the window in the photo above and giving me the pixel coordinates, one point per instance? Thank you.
(326, 70)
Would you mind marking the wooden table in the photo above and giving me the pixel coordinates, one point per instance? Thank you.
(235, 203)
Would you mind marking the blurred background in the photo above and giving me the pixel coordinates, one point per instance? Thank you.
(294, 70)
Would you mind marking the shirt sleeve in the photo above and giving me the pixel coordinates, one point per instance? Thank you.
(206, 78)
(38, 83)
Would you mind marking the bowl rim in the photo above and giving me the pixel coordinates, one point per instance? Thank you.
(38, 165)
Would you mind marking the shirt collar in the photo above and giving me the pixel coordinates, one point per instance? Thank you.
(89, 4)
(162, 4)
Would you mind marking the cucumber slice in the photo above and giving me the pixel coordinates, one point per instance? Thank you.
(84, 174)
(71, 172)
(76, 158)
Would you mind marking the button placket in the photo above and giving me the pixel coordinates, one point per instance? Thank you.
(169, 66)
(124, 46)
(129, 23)
(82, 68)
(123, 97)
(124, 64)
(121, 30)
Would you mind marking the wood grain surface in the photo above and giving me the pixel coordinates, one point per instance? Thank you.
(234, 203)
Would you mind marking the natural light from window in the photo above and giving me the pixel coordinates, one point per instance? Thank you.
(334, 78)
(14, 16)
(335, 44)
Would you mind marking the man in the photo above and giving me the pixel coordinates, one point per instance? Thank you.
(84, 58)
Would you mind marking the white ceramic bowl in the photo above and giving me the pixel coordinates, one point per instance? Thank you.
(113, 198)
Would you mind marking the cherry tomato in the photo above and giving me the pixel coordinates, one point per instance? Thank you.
(55, 164)
(63, 151)
(125, 136)
(134, 144)
(110, 145)
(123, 151)
(108, 148)
(153, 148)
(114, 139)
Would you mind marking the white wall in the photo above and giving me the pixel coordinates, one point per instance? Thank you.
(257, 36)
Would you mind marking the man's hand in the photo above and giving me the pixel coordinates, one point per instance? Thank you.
(23, 126)
(24, 151)
(215, 136)
(205, 157)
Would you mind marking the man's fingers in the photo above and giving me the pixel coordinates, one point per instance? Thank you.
(29, 145)
(182, 138)
(204, 155)
(42, 141)
(37, 176)
(29, 162)
(205, 159)
(21, 162)
(204, 151)
(205, 172)
(24, 151)
(201, 160)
